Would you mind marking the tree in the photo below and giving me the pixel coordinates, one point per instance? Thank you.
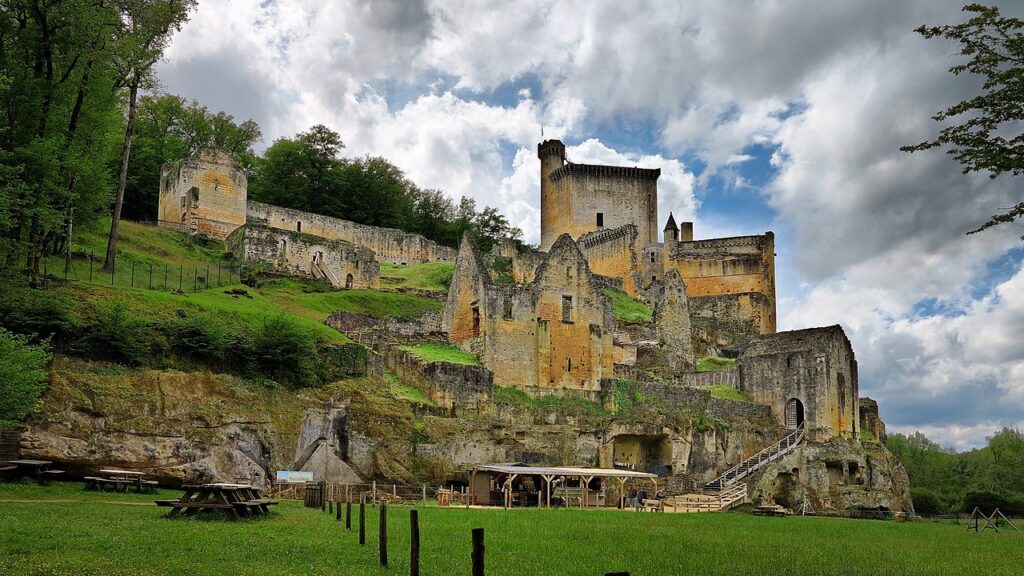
(22, 377)
(990, 138)
(147, 26)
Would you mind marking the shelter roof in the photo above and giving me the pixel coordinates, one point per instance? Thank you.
(517, 468)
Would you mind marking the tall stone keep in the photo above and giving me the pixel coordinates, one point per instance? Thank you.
(204, 194)
(579, 198)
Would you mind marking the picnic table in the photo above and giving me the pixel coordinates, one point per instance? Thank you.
(116, 479)
(38, 469)
(236, 500)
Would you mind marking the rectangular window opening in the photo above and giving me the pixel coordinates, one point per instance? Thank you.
(476, 321)
(566, 308)
(508, 308)
(600, 219)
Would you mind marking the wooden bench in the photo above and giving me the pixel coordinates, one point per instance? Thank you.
(770, 510)
(653, 505)
(46, 475)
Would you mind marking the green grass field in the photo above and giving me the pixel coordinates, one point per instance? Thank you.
(714, 364)
(93, 536)
(728, 393)
(441, 353)
(426, 276)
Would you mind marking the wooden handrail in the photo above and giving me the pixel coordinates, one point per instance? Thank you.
(767, 455)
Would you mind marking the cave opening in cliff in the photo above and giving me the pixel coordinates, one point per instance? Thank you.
(643, 453)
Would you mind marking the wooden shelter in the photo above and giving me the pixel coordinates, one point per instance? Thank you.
(514, 483)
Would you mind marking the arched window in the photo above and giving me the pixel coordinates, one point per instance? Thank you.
(348, 282)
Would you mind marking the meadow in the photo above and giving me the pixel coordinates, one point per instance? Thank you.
(61, 529)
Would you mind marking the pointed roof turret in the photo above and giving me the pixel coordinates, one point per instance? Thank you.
(671, 224)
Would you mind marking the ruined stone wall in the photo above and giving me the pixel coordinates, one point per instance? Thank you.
(204, 194)
(736, 409)
(672, 320)
(611, 252)
(870, 420)
(449, 385)
(731, 266)
(524, 261)
(727, 319)
(554, 333)
(293, 253)
(572, 195)
(813, 368)
(389, 244)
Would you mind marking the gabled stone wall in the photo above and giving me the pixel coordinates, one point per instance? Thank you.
(814, 370)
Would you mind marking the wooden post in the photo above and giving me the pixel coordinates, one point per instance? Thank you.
(394, 491)
(382, 539)
(374, 492)
(348, 515)
(323, 496)
(337, 511)
(330, 506)
(424, 494)
(414, 543)
(362, 521)
(478, 552)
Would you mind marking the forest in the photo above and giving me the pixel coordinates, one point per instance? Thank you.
(85, 129)
(946, 481)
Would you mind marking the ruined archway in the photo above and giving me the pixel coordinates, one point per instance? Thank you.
(794, 413)
(348, 282)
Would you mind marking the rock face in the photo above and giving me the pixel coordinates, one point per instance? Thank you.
(177, 427)
(835, 477)
(330, 449)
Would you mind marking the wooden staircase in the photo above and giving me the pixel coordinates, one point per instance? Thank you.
(727, 491)
(321, 271)
(757, 461)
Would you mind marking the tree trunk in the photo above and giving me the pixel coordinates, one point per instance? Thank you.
(122, 179)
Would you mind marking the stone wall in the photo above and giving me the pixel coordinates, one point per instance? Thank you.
(812, 371)
(737, 266)
(204, 194)
(705, 379)
(736, 409)
(573, 195)
(870, 421)
(554, 333)
(452, 386)
(388, 244)
(611, 252)
(346, 265)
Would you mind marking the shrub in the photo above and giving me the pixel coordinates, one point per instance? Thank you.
(118, 335)
(44, 313)
(987, 502)
(926, 501)
(203, 337)
(285, 350)
(22, 377)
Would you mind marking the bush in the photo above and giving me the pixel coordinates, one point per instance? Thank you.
(119, 336)
(203, 337)
(41, 313)
(987, 502)
(285, 350)
(22, 377)
(926, 501)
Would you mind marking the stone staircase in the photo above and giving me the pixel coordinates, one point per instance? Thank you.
(727, 491)
(321, 271)
(757, 461)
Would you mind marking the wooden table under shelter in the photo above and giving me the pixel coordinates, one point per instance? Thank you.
(37, 469)
(236, 500)
(567, 483)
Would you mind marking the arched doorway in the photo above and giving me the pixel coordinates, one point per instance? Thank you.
(348, 282)
(794, 414)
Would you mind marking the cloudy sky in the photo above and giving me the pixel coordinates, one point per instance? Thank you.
(780, 115)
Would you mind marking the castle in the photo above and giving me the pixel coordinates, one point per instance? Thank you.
(543, 321)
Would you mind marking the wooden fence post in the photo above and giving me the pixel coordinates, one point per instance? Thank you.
(348, 515)
(323, 496)
(337, 511)
(362, 520)
(374, 492)
(414, 543)
(478, 552)
(424, 494)
(382, 539)
(330, 506)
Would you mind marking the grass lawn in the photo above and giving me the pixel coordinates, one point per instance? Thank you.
(441, 353)
(625, 308)
(714, 364)
(426, 276)
(728, 393)
(94, 537)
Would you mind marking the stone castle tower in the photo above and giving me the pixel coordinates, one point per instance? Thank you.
(579, 198)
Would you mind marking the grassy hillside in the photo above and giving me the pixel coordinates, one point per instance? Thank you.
(426, 276)
(715, 364)
(441, 353)
(626, 308)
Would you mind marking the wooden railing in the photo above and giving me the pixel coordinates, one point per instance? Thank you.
(758, 460)
(326, 272)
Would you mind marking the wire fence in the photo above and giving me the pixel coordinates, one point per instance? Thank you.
(87, 267)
